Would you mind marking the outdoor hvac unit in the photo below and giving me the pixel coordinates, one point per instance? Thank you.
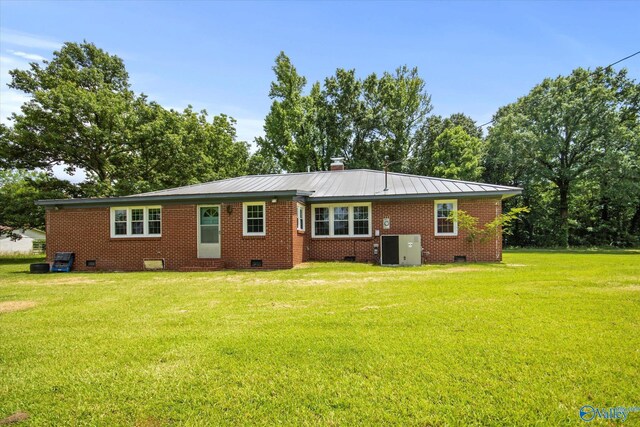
(403, 249)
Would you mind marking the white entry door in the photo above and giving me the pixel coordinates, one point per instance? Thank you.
(209, 231)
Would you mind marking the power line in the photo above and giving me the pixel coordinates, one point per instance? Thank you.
(589, 75)
(623, 59)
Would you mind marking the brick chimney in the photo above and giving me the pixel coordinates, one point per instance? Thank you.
(336, 164)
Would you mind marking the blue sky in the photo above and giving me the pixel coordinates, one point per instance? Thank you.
(474, 56)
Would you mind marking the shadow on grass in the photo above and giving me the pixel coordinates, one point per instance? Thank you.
(21, 259)
(26, 272)
(575, 251)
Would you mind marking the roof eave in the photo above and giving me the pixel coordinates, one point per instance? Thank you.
(382, 197)
(178, 198)
(240, 196)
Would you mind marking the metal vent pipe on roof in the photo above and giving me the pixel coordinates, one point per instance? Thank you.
(387, 163)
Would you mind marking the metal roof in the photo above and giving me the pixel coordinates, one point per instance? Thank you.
(354, 184)
(339, 184)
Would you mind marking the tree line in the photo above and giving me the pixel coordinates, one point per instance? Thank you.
(572, 143)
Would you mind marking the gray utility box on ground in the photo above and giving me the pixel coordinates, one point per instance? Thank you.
(402, 249)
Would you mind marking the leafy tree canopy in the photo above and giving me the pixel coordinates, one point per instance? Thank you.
(362, 120)
(423, 162)
(564, 132)
(83, 114)
(19, 189)
(457, 155)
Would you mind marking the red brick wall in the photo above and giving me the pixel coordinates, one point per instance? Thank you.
(415, 217)
(274, 249)
(86, 231)
(301, 239)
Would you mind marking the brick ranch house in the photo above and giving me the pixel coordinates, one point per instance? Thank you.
(276, 221)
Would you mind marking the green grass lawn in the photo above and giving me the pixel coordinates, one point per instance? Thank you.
(525, 342)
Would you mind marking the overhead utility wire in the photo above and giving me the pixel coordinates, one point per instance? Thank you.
(589, 75)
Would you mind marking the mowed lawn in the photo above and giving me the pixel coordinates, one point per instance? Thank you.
(525, 342)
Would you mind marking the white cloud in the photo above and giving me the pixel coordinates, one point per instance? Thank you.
(16, 38)
(10, 99)
(9, 61)
(25, 55)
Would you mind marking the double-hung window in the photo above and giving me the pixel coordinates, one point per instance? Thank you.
(444, 224)
(361, 220)
(321, 222)
(253, 219)
(153, 220)
(138, 221)
(119, 222)
(300, 217)
(341, 220)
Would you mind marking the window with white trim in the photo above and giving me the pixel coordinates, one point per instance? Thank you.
(341, 220)
(253, 219)
(300, 220)
(444, 225)
(154, 220)
(321, 222)
(136, 221)
(119, 227)
(360, 220)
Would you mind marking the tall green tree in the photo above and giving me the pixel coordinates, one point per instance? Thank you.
(77, 115)
(360, 120)
(260, 163)
(607, 206)
(171, 149)
(19, 189)
(211, 147)
(346, 121)
(423, 161)
(83, 114)
(402, 104)
(457, 155)
(284, 125)
(561, 132)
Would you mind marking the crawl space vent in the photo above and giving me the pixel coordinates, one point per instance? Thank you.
(153, 264)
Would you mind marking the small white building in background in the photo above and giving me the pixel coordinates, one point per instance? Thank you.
(23, 245)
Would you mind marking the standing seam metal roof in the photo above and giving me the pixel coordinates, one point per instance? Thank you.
(355, 184)
(336, 184)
